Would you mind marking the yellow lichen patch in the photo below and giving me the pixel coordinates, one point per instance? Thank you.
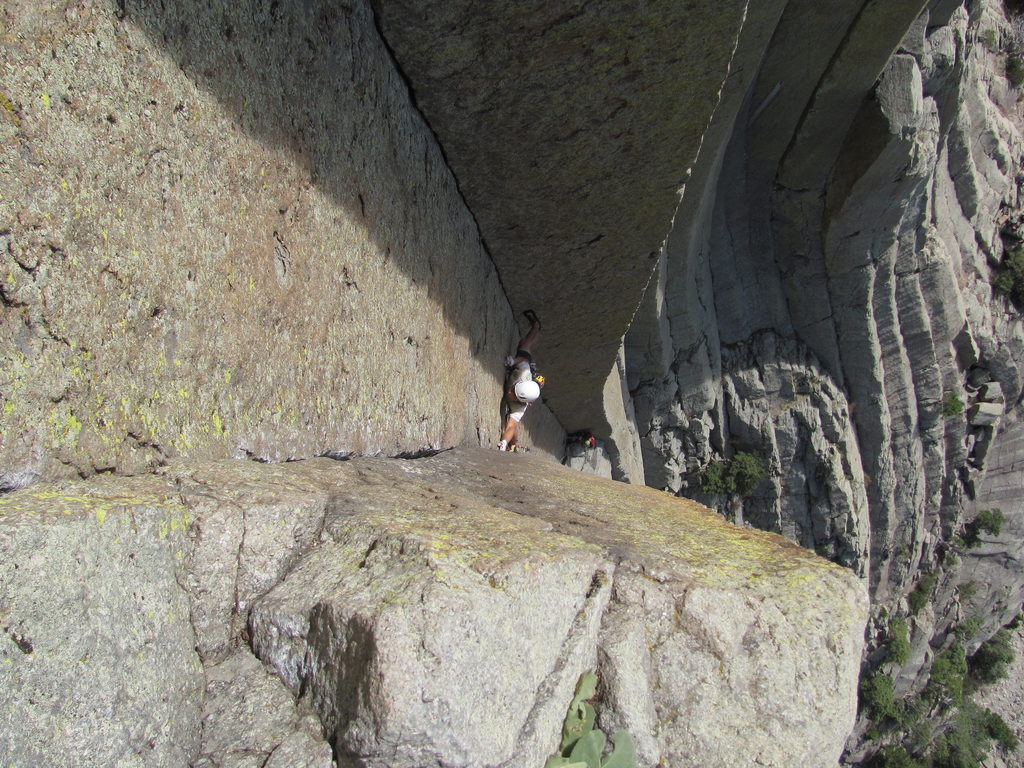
(553, 508)
(7, 106)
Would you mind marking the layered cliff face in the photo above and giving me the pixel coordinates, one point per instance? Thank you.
(826, 304)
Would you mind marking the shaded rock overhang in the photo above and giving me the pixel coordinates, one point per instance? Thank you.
(571, 129)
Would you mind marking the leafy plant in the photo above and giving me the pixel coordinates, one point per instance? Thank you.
(583, 745)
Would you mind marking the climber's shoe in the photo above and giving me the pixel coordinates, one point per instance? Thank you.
(532, 317)
(503, 445)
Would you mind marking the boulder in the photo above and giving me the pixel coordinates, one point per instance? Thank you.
(991, 392)
(985, 414)
(453, 632)
(427, 612)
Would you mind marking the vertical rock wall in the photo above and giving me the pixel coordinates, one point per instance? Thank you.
(572, 128)
(899, 260)
(226, 231)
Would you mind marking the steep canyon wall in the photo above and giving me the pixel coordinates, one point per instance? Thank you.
(827, 304)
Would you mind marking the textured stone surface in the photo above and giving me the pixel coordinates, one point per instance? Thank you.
(429, 612)
(501, 557)
(571, 129)
(96, 652)
(225, 230)
(250, 718)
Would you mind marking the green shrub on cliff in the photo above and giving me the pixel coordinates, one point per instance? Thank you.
(922, 593)
(991, 661)
(951, 406)
(988, 521)
(898, 642)
(946, 683)
(715, 478)
(894, 756)
(740, 475)
(877, 698)
(747, 471)
(1009, 280)
(967, 743)
(1015, 71)
(969, 628)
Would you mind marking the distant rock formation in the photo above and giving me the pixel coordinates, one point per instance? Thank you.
(421, 612)
(827, 303)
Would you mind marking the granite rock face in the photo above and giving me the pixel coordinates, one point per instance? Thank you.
(421, 612)
(250, 719)
(571, 129)
(225, 230)
(96, 653)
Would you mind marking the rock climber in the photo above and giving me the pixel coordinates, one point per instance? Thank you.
(522, 385)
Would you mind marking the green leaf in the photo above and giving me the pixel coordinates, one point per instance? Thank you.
(580, 718)
(578, 723)
(624, 754)
(557, 761)
(589, 749)
(586, 687)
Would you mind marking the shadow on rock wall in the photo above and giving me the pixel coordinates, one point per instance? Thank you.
(226, 230)
(315, 80)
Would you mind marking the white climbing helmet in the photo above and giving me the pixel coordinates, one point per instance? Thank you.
(527, 391)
